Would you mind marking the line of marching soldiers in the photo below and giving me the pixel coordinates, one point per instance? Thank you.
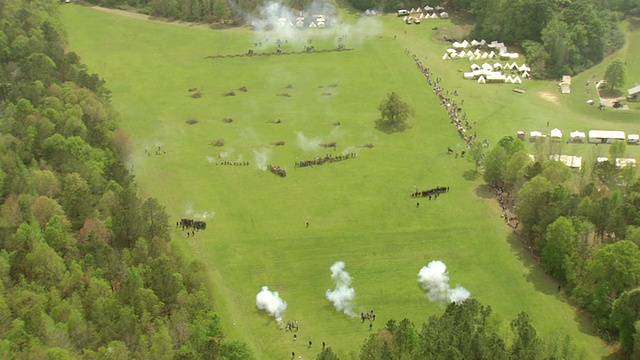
(428, 193)
(325, 159)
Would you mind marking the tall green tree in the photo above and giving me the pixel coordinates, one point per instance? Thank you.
(394, 112)
(625, 313)
(611, 271)
(558, 247)
(616, 74)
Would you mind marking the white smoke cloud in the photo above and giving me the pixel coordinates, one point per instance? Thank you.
(306, 144)
(189, 212)
(343, 295)
(204, 216)
(435, 280)
(271, 302)
(261, 158)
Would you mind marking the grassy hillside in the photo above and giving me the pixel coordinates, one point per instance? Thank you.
(359, 210)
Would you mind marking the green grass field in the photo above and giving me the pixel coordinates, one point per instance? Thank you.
(359, 210)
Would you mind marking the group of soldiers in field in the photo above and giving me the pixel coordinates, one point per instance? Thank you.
(291, 325)
(277, 170)
(191, 226)
(369, 315)
(325, 159)
(432, 192)
(234, 163)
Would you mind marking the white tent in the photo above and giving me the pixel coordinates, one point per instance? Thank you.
(497, 66)
(487, 66)
(556, 134)
(577, 136)
(477, 52)
(457, 45)
(465, 44)
(565, 87)
(624, 163)
(517, 80)
(451, 50)
(462, 54)
(483, 42)
(496, 77)
(606, 136)
(633, 139)
(312, 25)
(475, 66)
(514, 66)
(492, 54)
(508, 80)
(571, 161)
(421, 16)
(471, 57)
(475, 42)
(484, 55)
(468, 75)
(444, 15)
(454, 56)
(428, 8)
(533, 135)
(481, 80)
(524, 67)
(446, 57)
(434, 16)
(566, 78)
(526, 75)
(412, 10)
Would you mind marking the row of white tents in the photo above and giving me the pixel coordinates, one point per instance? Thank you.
(443, 15)
(426, 8)
(498, 50)
(453, 54)
(575, 162)
(500, 66)
(497, 77)
(487, 73)
(300, 23)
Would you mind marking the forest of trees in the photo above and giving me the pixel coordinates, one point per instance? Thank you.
(86, 266)
(468, 330)
(584, 226)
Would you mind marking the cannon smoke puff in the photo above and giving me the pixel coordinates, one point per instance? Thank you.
(271, 302)
(261, 158)
(435, 280)
(343, 295)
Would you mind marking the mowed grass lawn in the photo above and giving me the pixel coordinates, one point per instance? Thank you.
(359, 210)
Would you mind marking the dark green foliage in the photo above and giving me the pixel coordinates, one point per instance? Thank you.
(394, 113)
(86, 269)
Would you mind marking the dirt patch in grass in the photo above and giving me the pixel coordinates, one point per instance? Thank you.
(549, 96)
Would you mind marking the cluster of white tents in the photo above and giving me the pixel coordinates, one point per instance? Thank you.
(494, 73)
(498, 49)
(300, 22)
(427, 12)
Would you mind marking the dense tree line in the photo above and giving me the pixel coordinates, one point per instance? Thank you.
(86, 266)
(468, 330)
(583, 225)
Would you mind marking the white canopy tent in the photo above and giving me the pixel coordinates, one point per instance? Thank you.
(574, 162)
(606, 136)
(625, 162)
(556, 134)
(481, 80)
(633, 139)
(577, 136)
